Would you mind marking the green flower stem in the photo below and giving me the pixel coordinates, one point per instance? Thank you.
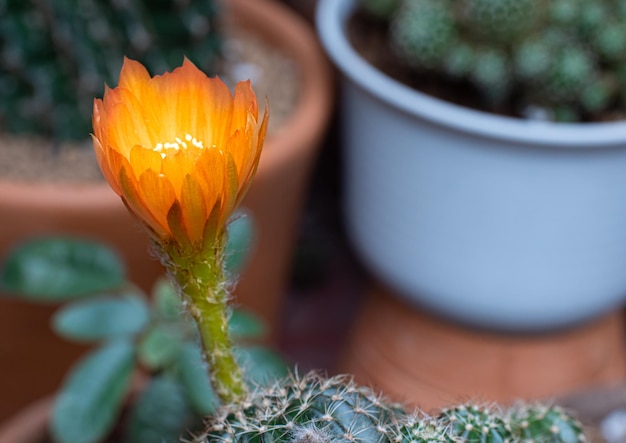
(203, 284)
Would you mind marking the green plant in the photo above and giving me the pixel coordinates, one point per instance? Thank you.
(133, 337)
(316, 409)
(57, 55)
(563, 59)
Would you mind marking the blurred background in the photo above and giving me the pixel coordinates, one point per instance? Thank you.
(326, 307)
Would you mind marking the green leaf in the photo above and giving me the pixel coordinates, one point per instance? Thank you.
(104, 317)
(161, 413)
(245, 325)
(262, 365)
(195, 380)
(240, 237)
(57, 269)
(91, 398)
(166, 301)
(160, 346)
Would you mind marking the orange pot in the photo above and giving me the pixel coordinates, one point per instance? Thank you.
(94, 211)
(29, 426)
(279, 189)
(424, 360)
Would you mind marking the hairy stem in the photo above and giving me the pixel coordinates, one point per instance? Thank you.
(204, 287)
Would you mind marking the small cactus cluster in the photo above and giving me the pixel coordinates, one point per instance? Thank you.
(55, 56)
(315, 409)
(563, 58)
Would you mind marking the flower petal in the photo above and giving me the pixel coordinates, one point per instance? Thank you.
(135, 203)
(103, 161)
(143, 159)
(157, 196)
(193, 208)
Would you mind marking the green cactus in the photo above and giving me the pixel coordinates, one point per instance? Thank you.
(55, 56)
(564, 12)
(498, 21)
(471, 423)
(491, 74)
(565, 57)
(305, 410)
(545, 424)
(424, 32)
(314, 409)
(414, 429)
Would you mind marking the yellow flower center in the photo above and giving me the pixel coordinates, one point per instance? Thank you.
(178, 144)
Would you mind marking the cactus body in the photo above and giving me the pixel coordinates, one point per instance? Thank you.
(313, 409)
(543, 424)
(305, 410)
(425, 430)
(500, 21)
(475, 424)
(424, 32)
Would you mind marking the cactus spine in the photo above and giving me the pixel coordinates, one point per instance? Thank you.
(567, 57)
(314, 409)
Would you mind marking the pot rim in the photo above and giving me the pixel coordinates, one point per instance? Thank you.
(331, 19)
(29, 424)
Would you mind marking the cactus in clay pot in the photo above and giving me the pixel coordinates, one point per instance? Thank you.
(55, 56)
(564, 60)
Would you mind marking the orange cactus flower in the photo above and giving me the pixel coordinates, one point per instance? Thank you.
(180, 149)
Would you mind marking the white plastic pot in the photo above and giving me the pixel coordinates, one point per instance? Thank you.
(497, 222)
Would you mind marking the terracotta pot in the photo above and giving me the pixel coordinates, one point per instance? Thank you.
(29, 426)
(278, 191)
(94, 211)
(426, 361)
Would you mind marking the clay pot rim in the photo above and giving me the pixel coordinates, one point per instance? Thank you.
(301, 130)
(29, 425)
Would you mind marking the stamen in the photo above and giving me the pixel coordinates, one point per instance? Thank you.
(182, 143)
(177, 145)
